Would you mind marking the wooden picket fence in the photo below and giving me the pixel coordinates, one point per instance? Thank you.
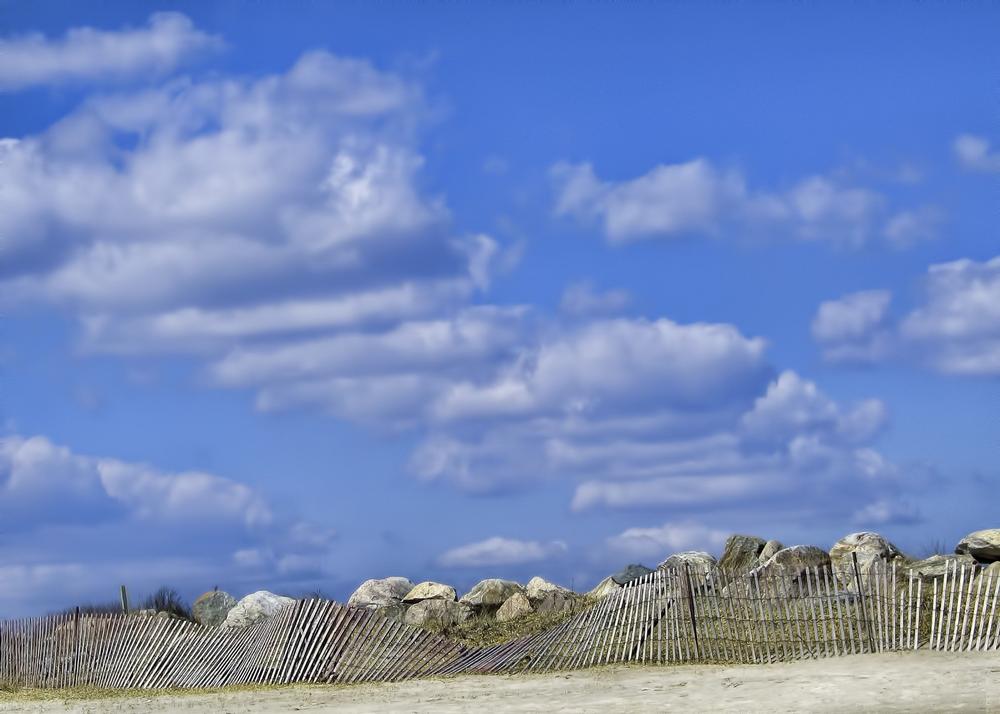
(669, 616)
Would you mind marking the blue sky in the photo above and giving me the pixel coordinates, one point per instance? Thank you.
(294, 295)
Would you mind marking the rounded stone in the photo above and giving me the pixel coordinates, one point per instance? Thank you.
(515, 607)
(490, 594)
(982, 545)
(437, 613)
(211, 608)
(429, 590)
(254, 608)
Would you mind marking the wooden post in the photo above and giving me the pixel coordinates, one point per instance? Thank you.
(124, 598)
(861, 597)
(694, 622)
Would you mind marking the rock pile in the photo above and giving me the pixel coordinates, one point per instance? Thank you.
(437, 606)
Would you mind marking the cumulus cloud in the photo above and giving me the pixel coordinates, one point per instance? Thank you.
(958, 325)
(657, 433)
(284, 203)
(275, 227)
(499, 551)
(278, 229)
(608, 364)
(661, 541)
(955, 329)
(976, 153)
(89, 54)
(855, 327)
(697, 197)
(65, 513)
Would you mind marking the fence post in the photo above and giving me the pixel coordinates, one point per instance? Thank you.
(861, 597)
(76, 643)
(694, 621)
(124, 598)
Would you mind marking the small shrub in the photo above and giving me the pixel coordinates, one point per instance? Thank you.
(934, 547)
(167, 599)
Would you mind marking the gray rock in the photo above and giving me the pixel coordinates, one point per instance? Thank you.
(982, 545)
(516, 606)
(254, 608)
(630, 573)
(539, 588)
(742, 553)
(935, 566)
(992, 570)
(698, 563)
(769, 549)
(381, 594)
(555, 602)
(870, 548)
(549, 597)
(429, 590)
(211, 608)
(604, 588)
(793, 562)
(436, 613)
(488, 595)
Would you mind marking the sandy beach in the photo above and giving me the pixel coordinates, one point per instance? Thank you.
(897, 682)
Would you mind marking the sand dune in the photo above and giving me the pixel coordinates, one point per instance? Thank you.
(898, 682)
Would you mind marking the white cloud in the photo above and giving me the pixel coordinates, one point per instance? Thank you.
(907, 228)
(499, 551)
(976, 153)
(854, 328)
(696, 197)
(276, 228)
(89, 54)
(65, 513)
(955, 329)
(887, 512)
(659, 542)
(794, 407)
(607, 365)
(958, 326)
(706, 490)
(669, 199)
(248, 204)
(582, 299)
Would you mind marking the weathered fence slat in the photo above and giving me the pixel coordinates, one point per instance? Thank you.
(671, 615)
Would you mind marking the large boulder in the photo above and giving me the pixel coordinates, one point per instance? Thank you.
(992, 570)
(630, 572)
(742, 553)
(870, 548)
(211, 608)
(791, 563)
(983, 545)
(488, 595)
(935, 566)
(538, 588)
(604, 588)
(697, 564)
(384, 594)
(768, 551)
(549, 597)
(516, 606)
(428, 590)
(254, 608)
(437, 613)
